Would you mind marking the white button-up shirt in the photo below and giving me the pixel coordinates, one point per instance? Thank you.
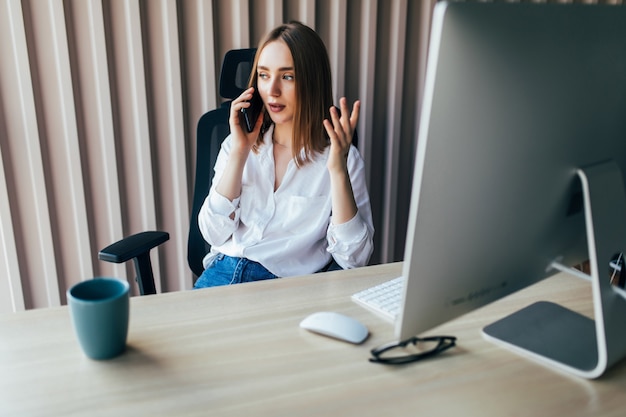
(289, 230)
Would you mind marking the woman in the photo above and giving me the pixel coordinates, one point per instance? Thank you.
(288, 198)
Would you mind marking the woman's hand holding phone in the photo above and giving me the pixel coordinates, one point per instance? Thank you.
(245, 121)
(249, 115)
(229, 185)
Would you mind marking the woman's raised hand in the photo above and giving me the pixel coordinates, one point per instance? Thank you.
(340, 129)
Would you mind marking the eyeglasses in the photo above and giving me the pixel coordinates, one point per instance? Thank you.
(397, 353)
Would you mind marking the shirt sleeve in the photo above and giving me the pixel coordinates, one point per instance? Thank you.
(351, 243)
(218, 217)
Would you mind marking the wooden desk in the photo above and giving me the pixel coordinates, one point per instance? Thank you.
(236, 351)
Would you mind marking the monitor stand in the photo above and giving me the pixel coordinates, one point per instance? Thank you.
(564, 339)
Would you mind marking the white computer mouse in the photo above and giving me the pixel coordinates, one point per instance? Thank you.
(336, 325)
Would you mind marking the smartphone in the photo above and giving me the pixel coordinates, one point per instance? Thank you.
(250, 115)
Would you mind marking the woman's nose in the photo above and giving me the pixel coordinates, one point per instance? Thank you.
(274, 88)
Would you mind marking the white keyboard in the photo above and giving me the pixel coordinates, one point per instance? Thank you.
(383, 299)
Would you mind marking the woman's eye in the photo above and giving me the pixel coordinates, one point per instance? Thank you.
(263, 75)
(288, 77)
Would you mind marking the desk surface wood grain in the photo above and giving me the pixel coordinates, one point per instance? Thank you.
(236, 351)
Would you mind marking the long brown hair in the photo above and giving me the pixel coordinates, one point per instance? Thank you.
(313, 88)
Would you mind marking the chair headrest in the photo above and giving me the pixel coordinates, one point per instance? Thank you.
(236, 70)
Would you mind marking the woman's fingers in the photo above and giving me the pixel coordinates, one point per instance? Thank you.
(241, 102)
(343, 125)
(354, 116)
(345, 120)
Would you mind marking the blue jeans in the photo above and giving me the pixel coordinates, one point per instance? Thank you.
(226, 270)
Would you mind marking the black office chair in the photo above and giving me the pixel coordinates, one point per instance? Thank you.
(212, 129)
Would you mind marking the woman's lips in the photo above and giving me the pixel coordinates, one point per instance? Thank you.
(275, 107)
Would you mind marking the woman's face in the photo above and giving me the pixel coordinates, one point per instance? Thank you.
(276, 82)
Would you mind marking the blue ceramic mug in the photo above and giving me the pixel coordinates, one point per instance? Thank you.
(100, 313)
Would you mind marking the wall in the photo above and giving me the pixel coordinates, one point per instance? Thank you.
(99, 101)
(98, 105)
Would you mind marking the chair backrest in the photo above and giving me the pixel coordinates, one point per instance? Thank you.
(212, 129)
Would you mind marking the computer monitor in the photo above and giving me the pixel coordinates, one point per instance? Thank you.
(519, 173)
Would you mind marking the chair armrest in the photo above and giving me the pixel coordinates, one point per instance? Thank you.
(136, 247)
(132, 246)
